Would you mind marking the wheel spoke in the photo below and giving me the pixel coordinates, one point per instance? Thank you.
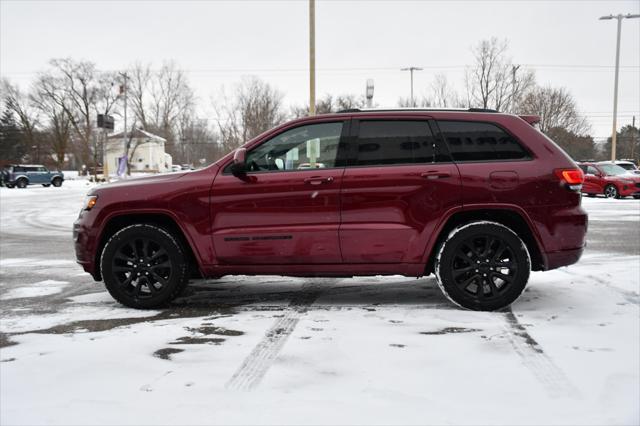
(122, 268)
(463, 254)
(158, 278)
(166, 264)
(458, 272)
(503, 277)
(157, 254)
(138, 288)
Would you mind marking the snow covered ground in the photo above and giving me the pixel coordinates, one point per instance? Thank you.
(373, 350)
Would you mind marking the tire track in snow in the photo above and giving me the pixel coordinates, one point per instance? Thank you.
(258, 362)
(537, 361)
(630, 296)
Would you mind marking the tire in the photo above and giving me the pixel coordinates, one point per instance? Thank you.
(637, 197)
(9, 185)
(610, 191)
(127, 265)
(46, 185)
(482, 256)
(57, 182)
(22, 183)
(592, 195)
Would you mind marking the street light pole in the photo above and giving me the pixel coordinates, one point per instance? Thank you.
(411, 70)
(614, 133)
(312, 57)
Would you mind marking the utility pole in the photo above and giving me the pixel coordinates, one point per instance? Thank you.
(411, 70)
(619, 17)
(125, 76)
(312, 57)
(633, 137)
(514, 70)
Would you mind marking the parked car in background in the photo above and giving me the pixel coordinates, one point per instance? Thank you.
(609, 179)
(176, 168)
(476, 197)
(628, 165)
(21, 175)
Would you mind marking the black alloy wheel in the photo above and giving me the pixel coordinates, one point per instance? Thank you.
(483, 266)
(144, 266)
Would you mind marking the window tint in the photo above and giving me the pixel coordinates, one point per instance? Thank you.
(394, 142)
(314, 146)
(474, 141)
(31, 169)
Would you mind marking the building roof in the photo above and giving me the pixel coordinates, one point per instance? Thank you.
(137, 134)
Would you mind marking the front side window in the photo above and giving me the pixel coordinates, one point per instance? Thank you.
(314, 146)
(476, 141)
(592, 170)
(383, 142)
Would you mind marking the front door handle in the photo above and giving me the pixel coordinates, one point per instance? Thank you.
(435, 175)
(318, 180)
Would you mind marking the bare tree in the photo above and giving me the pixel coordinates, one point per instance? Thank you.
(160, 100)
(57, 126)
(494, 81)
(254, 108)
(443, 95)
(329, 104)
(82, 92)
(556, 108)
(20, 104)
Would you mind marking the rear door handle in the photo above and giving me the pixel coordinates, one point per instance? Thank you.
(435, 175)
(318, 180)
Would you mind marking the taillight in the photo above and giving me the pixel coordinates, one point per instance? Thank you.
(573, 178)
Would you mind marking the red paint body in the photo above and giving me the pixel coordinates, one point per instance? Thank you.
(346, 221)
(627, 185)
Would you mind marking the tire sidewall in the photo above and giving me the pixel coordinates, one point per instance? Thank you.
(57, 182)
(176, 280)
(22, 183)
(444, 272)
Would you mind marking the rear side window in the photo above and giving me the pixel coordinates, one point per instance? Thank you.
(394, 142)
(476, 141)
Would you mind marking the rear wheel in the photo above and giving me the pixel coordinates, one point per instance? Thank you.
(22, 183)
(610, 191)
(144, 266)
(9, 185)
(483, 266)
(57, 182)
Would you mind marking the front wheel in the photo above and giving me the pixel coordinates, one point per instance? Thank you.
(144, 266)
(57, 182)
(610, 191)
(483, 266)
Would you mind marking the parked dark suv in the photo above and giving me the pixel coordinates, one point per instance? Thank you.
(477, 197)
(21, 175)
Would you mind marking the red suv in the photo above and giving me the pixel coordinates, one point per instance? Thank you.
(477, 197)
(609, 179)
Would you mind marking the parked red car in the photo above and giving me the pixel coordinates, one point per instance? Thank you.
(477, 197)
(610, 180)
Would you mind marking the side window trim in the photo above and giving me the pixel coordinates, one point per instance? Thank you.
(529, 157)
(340, 155)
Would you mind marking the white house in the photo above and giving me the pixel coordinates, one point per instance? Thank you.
(148, 156)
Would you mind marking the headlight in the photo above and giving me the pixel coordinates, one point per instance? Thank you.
(90, 201)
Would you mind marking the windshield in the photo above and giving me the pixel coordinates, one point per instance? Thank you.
(612, 169)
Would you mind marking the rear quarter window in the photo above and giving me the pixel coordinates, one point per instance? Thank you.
(478, 141)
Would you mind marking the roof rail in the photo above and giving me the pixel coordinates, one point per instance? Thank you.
(352, 110)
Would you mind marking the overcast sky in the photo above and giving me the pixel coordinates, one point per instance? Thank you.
(217, 42)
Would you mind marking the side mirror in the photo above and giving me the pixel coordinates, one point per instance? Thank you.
(239, 165)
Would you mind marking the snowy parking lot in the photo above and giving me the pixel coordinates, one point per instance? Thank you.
(371, 350)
